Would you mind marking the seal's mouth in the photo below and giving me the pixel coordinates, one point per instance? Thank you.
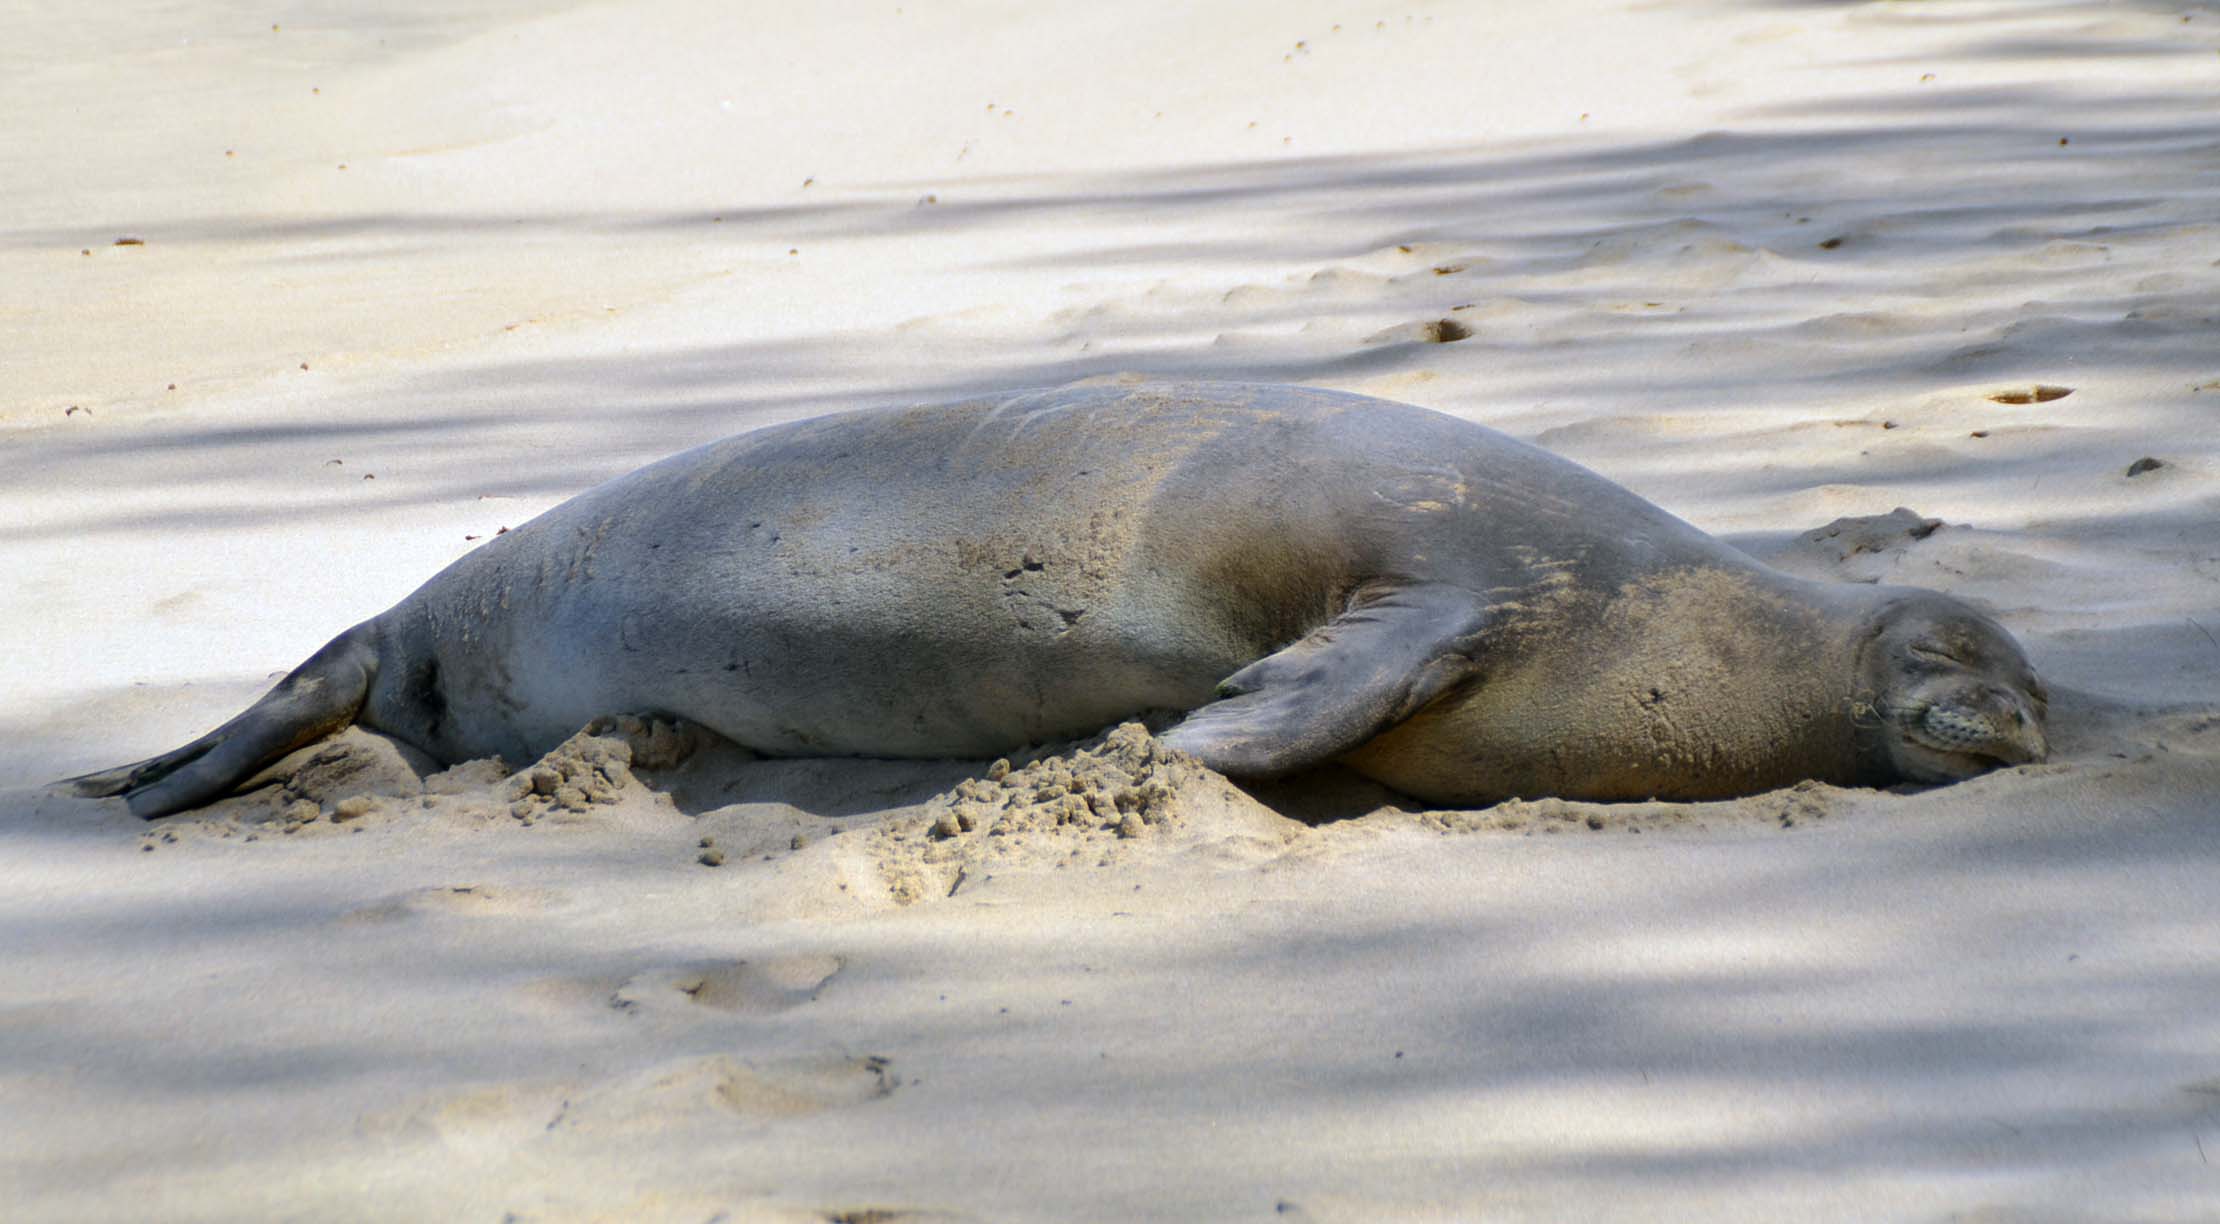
(1945, 740)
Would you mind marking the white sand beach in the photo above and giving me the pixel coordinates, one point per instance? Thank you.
(301, 301)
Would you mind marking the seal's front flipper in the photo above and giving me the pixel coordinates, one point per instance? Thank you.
(318, 698)
(1392, 652)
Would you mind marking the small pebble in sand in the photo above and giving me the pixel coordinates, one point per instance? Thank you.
(2040, 393)
(711, 858)
(2145, 464)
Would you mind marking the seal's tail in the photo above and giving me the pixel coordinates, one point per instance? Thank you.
(317, 698)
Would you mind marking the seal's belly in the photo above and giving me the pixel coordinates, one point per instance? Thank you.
(851, 686)
(805, 639)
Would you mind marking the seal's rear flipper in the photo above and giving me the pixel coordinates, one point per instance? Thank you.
(1392, 652)
(316, 699)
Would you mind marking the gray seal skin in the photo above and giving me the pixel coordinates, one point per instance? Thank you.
(1314, 576)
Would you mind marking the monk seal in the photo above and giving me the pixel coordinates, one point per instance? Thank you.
(1313, 576)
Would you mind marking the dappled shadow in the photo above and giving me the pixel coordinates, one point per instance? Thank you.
(1570, 267)
(1958, 998)
(2073, 30)
(2008, 990)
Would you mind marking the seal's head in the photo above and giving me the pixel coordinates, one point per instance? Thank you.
(1945, 693)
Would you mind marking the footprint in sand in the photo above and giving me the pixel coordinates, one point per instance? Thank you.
(736, 987)
(691, 991)
(723, 1088)
(468, 900)
(482, 1118)
(1432, 331)
(716, 1090)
